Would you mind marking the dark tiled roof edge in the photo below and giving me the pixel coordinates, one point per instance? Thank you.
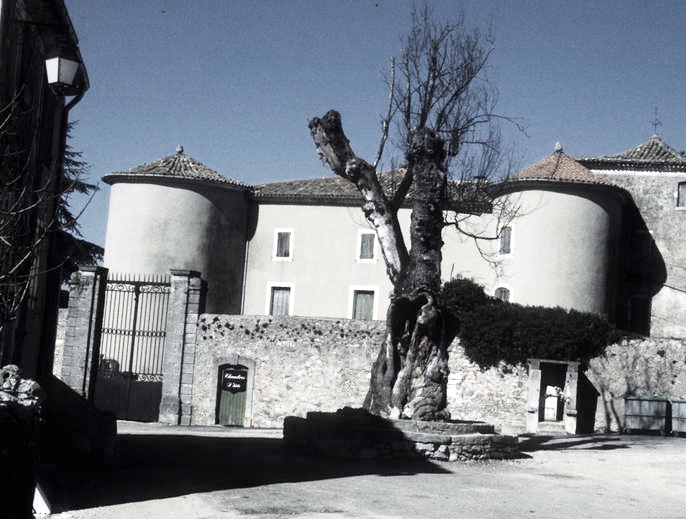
(607, 163)
(112, 178)
(652, 155)
(179, 166)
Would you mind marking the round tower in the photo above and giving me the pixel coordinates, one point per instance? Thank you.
(176, 213)
(563, 248)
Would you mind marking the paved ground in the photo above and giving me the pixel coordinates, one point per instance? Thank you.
(212, 473)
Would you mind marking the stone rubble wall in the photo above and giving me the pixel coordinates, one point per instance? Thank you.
(301, 364)
(495, 395)
(308, 364)
(651, 367)
(59, 341)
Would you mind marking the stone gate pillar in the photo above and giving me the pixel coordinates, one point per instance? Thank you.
(571, 397)
(533, 396)
(84, 324)
(185, 304)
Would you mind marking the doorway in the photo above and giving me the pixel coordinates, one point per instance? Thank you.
(552, 401)
(553, 397)
(232, 394)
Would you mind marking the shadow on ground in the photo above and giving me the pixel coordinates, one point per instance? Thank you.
(543, 443)
(152, 466)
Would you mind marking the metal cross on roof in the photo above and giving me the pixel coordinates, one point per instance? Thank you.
(656, 122)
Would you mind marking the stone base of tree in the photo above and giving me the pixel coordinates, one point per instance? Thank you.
(356, 434)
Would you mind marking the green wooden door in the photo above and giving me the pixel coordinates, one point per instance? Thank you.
(233, 383)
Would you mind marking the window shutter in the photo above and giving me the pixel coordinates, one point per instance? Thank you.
(279, 301)
(505, 239)
(363, 305)
(681, 195)
(367, 246)
(283, 245)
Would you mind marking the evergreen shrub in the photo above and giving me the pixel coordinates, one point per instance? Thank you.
(491, 330)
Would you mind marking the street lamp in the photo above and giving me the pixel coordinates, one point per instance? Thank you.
(61, 74)
(65, 77)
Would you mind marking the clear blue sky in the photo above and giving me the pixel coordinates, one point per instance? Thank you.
(235, 81)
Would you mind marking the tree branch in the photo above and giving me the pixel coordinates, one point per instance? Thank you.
(334, 149)
(386, 121)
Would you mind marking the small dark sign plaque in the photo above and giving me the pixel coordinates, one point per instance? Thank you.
(234, 380)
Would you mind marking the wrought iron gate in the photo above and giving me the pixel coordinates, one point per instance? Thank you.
(129, 380)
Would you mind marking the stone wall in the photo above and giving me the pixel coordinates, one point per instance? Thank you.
(300, 364)
(59, 341)
(80, 349)
(305, 364)
(655, 194)
(496, 395)
(647, 367)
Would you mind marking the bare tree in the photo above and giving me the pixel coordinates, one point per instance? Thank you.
(22, 196)
(34, 207)
(441, 113)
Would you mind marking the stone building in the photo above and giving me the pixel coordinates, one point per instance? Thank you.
(187, 247)
(176, 213)
(655, 176)
(271, 248)
(587, 240)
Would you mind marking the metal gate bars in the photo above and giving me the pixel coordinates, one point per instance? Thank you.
(129, 380)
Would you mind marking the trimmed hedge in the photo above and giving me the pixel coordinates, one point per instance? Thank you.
(492, 331)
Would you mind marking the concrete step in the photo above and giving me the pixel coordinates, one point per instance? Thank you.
(551, 428)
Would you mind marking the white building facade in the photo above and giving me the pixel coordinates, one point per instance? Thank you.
(304, 248)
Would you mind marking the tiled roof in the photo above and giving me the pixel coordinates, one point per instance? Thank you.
(178, 165)
(335, 190)
(559, 167)
(332, 187)
(327, 187)
(331, 190)
(651, 155)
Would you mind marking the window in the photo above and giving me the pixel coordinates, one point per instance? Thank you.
(502, 293)
(280, 300)
(506, 240)
(681, 195)
(283, 244)
(363, 305)
(366, 246)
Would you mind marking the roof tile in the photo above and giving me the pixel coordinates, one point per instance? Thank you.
(560, 167)
(178, 165)
(462, 196)
(654, 154)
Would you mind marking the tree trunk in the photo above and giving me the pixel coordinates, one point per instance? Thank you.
(409, 377)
